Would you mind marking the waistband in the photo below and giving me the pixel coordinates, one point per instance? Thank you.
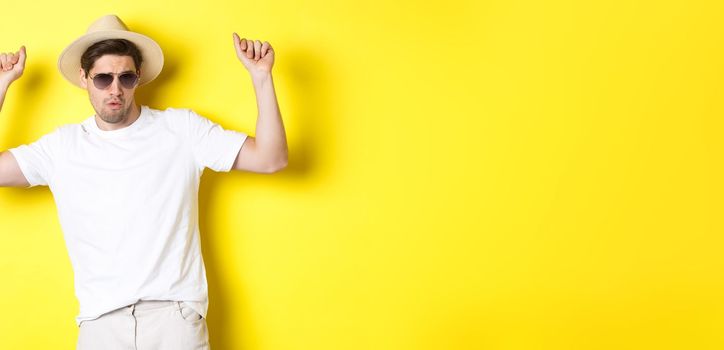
(152, 304)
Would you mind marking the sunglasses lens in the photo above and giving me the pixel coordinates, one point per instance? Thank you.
(102, 80)
(128, 80)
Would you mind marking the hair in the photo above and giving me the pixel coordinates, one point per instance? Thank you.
(120, 47)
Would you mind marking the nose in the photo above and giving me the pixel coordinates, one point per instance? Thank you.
(115, 88)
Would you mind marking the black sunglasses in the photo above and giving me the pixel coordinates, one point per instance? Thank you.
(103, 80)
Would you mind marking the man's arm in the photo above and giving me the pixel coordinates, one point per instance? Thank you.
(11, 68)
(10, 174)
(267, 152)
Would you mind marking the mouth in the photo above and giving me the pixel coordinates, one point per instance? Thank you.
(114, 105)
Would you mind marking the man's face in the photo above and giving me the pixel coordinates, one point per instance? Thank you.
(114, 103)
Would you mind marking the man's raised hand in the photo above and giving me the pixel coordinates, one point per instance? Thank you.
(257, 57)
(11, 66)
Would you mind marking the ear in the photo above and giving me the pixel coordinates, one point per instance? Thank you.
(83, 81)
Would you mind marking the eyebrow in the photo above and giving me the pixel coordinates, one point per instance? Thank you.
(125, 71)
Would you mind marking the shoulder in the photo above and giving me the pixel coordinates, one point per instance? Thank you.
(174, 114)
(184, 121)
(63, 133)
(68, 129)
(175, 119)
(168, 113)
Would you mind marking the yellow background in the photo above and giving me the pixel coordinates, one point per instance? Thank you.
(463, 174)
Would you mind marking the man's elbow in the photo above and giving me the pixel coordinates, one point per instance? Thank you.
(277, 166)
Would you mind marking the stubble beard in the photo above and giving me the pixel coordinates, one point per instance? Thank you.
(113, 116)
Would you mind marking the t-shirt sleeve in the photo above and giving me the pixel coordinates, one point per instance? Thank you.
(213, 146)
(37, 160)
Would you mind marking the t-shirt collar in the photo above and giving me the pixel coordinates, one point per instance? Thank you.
(91, 124)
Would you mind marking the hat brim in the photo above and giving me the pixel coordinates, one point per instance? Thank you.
(69, 60)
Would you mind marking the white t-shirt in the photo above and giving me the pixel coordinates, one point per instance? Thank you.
(127, 203)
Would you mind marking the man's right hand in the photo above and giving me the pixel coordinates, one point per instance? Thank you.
(11, 66)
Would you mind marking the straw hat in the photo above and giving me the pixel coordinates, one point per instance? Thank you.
(111, 27)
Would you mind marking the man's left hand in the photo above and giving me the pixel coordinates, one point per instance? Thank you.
(257, 57)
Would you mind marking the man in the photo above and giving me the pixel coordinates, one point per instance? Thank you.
(125, 182)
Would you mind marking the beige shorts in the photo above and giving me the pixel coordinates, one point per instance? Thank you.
(146, 325)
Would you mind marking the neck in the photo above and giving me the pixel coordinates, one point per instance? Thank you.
(131, 117)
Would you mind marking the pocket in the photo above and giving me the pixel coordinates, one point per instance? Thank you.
(188, 313)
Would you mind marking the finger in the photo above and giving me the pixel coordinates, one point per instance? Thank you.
(21, 56)
(242, 42)
(237, 45)
(244, 47)
(4, 62)
(257, 50)
(265, 48)
(249, 49)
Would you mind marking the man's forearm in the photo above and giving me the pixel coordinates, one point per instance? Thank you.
(270, 137)
(12, 66)
(3, 91)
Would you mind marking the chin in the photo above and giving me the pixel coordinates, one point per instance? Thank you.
(113, 117)
(107, 119)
